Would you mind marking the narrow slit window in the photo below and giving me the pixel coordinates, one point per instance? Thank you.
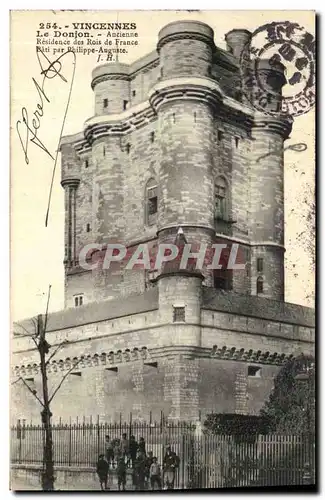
(134, 93)
(221, 199)
(151, 202)
(86, 163)
(236, 142)
(128, 148)
(259, 265)
(105, 103)
(125, 105)
(88, 228)
(152, 137)
(220, 135)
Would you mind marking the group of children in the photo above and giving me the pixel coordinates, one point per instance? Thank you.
(145, 470)
(141, 473)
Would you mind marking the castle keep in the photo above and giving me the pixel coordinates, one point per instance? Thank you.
(175, 142)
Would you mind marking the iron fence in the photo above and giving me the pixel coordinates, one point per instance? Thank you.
(206, 460)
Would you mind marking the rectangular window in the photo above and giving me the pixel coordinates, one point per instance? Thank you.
(78, 300)
(220, 208)
(105, 103)
(254, 371)
(133, 93)
(152, 137)
(152, 205)
(88, 228)
(179, 314)
(259, 265)
(220, 135)
(125, 105)
(259, 285)
(236, 142)
(223, 279)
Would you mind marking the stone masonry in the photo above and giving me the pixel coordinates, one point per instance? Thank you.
(173, 143)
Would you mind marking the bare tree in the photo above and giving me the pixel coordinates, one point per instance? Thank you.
(43, 347)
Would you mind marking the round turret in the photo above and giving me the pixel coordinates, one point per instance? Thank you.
(185, 48)
(111, 85)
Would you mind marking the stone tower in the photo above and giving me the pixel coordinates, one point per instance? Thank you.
(176, 142)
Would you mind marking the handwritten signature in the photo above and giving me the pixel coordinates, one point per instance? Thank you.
(299, 148)
(28, 131)
(31, 129)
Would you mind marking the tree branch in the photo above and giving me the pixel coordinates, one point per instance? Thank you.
(34, 320)
(29, 388)
(63, 379)
(47, 307)
(56, 350)
(29, 335)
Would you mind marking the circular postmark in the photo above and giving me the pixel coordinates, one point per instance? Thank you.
(278, 69)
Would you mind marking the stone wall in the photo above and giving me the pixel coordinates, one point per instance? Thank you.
(28, 478)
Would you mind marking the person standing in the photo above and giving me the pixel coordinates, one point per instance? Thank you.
(142, 445)
(109, 450)
(124, 446)
(170, 464)
(155, 474)
(102, 472)
(133, 448)
(149, 461)
(117, 450)
(121, 473)
(140, 471)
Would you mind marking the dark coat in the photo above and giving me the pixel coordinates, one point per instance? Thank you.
(171, 461)
(133, 445)
(102, 467)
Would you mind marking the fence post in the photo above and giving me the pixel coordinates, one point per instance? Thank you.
(98, 436)
(70, 443)
(20, 444)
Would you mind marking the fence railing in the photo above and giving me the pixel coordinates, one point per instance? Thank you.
(206, 460)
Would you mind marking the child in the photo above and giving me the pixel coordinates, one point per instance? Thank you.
(102, 472)
(121, 473)
(155, 474)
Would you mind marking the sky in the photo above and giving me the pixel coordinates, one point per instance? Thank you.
(36, 250)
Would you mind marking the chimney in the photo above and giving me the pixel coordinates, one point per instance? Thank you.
(236, 40)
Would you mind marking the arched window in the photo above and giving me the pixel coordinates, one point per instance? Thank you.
(221, 198)
(259, 285)
(151, 202)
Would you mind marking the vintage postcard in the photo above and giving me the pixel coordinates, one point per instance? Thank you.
(162, 250)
